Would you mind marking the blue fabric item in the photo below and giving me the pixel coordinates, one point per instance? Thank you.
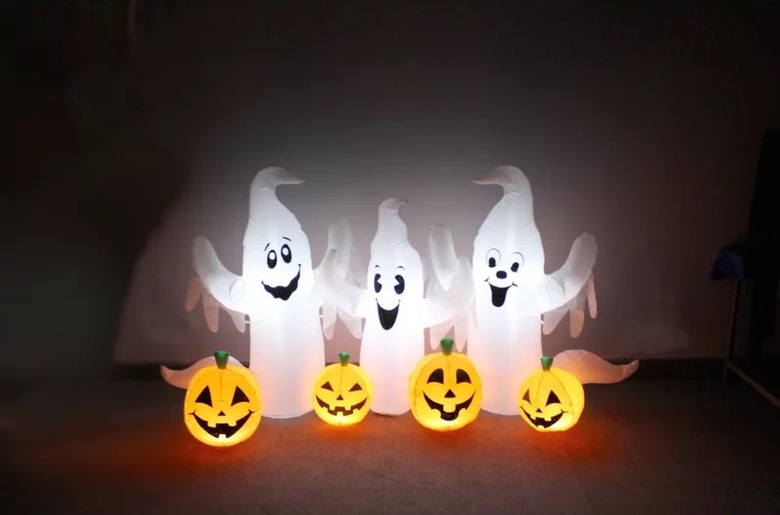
(729, 263)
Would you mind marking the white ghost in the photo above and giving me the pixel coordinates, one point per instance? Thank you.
(277, 293)
(395, 309)
(512, 293)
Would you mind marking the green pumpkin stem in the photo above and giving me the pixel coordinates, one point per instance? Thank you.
(344, 358)
(221, 357)
(546, 363)
(446, 346)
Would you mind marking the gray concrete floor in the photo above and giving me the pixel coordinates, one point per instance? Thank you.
(642, 446)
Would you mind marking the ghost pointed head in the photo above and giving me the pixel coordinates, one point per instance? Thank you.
(277, 256)
(508, 255)
(518, 201)
(394, 275)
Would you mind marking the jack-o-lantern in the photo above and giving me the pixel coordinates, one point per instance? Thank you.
(551, 399)
(445, 390)
(222, 406)
(342, 393)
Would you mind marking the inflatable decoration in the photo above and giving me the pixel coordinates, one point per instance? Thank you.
(445, 390)
(342, 393)
(512, 296)
(551, 399)
(277, 293)
(394, 307)
(222, 405)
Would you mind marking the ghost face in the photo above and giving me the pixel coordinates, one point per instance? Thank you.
(508, 270)
(389, 286)
(281, 267)
(282, 257)
(502, 274)
(395, 285)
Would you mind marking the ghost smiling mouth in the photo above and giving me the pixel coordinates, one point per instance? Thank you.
(387, 317)
(498, 294)
(284, 292)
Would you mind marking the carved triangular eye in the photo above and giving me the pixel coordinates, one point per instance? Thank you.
(239, 396)
(355, 388)
(552, 399)
(327, 386)
(462, 376)
(437, 376)
(205, 396)
(527, 397)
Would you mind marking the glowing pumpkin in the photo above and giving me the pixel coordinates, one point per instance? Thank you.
(551, 399)
(222, 406)
(445, 390)
(342, 393)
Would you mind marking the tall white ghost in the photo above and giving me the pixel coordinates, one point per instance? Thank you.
(394, 307)
(277, 293)
(512, 292)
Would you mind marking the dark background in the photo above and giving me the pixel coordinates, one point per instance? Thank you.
(640, 122)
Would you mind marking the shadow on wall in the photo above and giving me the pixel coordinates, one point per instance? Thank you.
(89, 182)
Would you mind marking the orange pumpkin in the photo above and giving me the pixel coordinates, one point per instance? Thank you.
(342, 393)
(222, 405)
(551, 399)
(445, 390)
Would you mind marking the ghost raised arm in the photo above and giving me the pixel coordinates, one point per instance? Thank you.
(450, 289)
(346, 295)
(226, 287)
(563, 285)
(211, 306)
(575, 308)
(334, 281)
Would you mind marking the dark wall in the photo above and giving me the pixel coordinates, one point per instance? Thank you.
(639, 122)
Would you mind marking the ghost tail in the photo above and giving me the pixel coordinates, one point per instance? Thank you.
(181, 378)
(592, 369)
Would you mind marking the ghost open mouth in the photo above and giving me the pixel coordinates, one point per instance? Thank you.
(449, 417)
(387, 317)
(341, 410)
(540, 421)
(284, 292)
(222, 429)
(498, 294)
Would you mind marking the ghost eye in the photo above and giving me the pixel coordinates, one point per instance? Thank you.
(205, 396)
(462, 376)
(355, 388)
(377, 286)
(286, 253)
(239, 396)
(553, 399)
(493, 257)
(437, 376)
(271, 259)
(399, 288)
(516, 261)
(327, 386)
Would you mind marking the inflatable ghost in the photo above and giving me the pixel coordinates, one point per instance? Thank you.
(277, 293)
(512, 293)
(394, 307)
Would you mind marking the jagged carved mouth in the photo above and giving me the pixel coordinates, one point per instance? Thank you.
(222, 429)
(284, 292)
(540, 421)
(498, 295)
(340, 410)
(449, 417)
(387, 317)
